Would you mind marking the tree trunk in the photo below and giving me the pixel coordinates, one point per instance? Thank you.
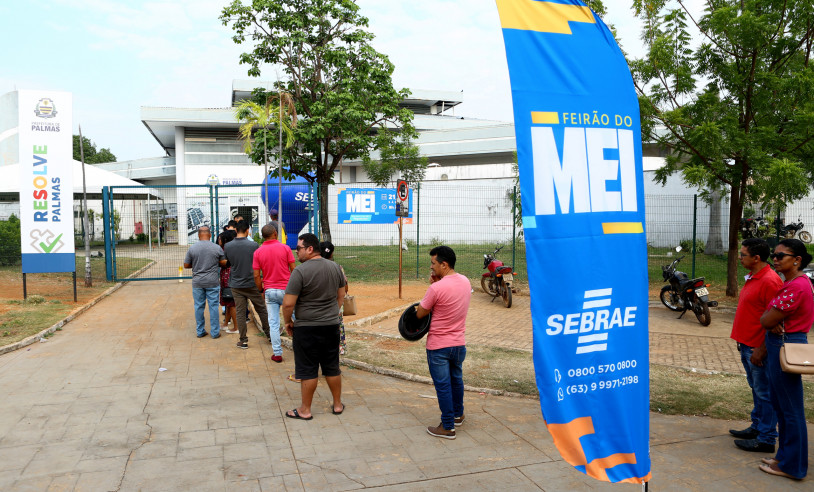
(735, 211)
(324, 222)
(715, 244)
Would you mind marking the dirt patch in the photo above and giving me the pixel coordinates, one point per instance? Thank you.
(379, 297)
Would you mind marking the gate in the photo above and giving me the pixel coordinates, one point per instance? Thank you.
(154, 227)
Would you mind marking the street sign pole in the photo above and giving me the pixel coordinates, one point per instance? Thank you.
(400, 253)
(402, 209)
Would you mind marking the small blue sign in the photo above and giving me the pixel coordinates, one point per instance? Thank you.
(368, 205)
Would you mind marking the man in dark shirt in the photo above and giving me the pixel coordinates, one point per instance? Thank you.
(205, 259)
(240, 253)
(316, 289)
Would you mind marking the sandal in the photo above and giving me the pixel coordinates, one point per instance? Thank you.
(774, 470)
(296, 415)
(339, 412)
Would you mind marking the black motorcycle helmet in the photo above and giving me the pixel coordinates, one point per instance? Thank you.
(412, 328)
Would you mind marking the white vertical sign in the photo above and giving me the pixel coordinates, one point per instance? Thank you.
(46, 181)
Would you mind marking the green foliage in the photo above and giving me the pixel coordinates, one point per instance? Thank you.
(736, 112)
(10, 248)
(686, 245)
(340, 85)
(398, 157)
(92, 156)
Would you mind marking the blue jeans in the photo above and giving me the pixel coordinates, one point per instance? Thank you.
(201, 296)
(786, 391)
(764, 419)
(274, 300)
(447, 376)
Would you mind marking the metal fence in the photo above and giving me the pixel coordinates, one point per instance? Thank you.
(687, 221)
(156, 226)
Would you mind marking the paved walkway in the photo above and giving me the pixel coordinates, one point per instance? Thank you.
(92, 409)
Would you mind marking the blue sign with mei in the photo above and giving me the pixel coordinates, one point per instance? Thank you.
(368, 205)
(579, 152)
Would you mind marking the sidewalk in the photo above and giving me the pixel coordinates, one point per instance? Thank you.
(90, 410)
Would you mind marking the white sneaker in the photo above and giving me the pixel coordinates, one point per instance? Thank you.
(226, 330)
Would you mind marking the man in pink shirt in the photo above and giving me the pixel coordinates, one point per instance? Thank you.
(275, 262)
(448, 301)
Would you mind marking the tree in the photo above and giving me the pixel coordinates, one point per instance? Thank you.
(341, 86)
(736, 111)
(276, 111)
(398, 157)
(92, 156)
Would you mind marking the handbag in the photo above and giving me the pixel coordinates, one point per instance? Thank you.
(349, 305)
(797, 358)
(226, 294)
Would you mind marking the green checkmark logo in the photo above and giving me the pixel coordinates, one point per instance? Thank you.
(48, 247)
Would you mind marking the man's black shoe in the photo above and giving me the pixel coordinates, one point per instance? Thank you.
(203, 334)
(754, 445)
(749, 433)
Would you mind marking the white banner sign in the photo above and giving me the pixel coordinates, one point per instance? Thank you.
(46, 187)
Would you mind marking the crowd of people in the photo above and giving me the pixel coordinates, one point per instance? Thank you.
(772, 312)
(234, 271)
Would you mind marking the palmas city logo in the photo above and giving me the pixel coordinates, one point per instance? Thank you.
(45, 108)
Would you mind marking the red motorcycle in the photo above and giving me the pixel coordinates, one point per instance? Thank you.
(497, 282)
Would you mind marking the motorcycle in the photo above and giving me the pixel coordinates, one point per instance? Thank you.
(683, 294)
(497, 282)
(792, 229)
(757, 227)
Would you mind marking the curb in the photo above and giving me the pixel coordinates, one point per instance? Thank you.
(406, 376)
(369, 320)
(59, 324)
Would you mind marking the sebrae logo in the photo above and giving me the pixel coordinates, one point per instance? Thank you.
(45, 108)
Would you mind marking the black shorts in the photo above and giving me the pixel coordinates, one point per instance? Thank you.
(316, 346)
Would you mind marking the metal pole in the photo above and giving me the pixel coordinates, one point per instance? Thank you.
(514, 224)
(280, 159)
(25, 289)
(213, 226)
(417, 223)
(217, 209)
(106, 230)
(88, 275)
(74, 282)
(694, 225)
(149, 229)
(400, 253)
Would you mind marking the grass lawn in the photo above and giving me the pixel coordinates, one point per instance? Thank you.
(379, 263)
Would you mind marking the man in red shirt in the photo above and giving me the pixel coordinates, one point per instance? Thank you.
(448, 301)
(762, 284)
(273, 261)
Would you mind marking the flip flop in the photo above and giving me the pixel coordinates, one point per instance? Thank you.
(774, 470)
(339, 412)
(292, 378)
(297, 415)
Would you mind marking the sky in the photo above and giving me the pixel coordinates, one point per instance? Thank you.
(116, 56)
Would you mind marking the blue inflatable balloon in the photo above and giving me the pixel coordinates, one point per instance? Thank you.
(296, 199)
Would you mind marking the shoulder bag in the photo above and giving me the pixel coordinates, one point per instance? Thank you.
(226, 294)
(797, 358)
(349, 305)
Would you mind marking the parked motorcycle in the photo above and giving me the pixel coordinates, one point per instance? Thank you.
(792, 229)
(754, 227)
(497, 282)
(683, 294)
